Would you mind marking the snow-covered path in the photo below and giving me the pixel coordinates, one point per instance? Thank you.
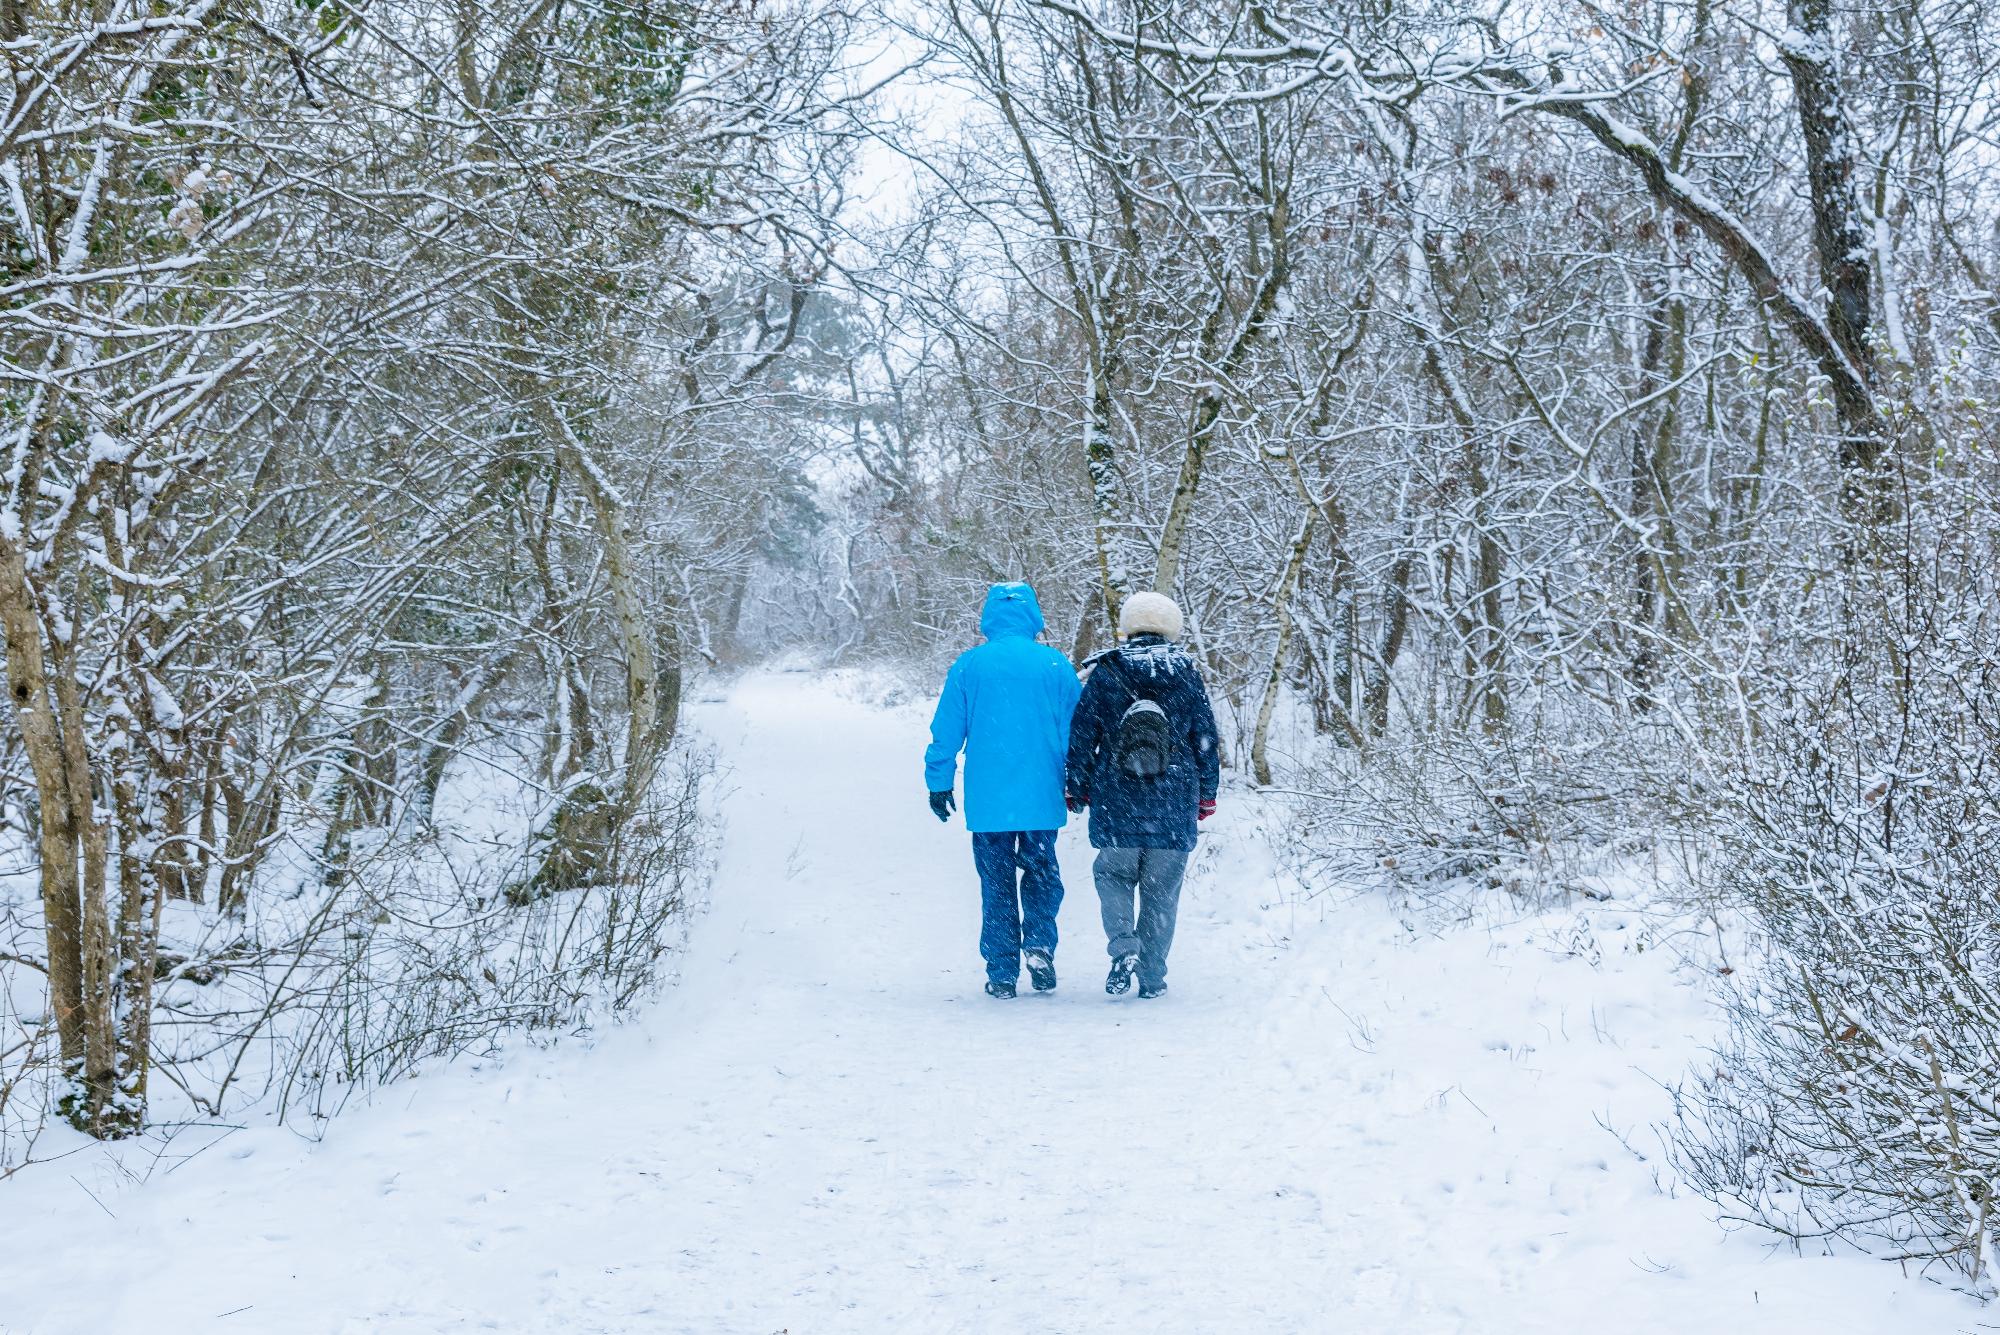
(1326, 1126)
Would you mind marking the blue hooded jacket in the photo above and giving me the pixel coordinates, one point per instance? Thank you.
(1007, 704)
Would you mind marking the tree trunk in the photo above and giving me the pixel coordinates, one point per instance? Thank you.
(1655, 561)
(1485, 638)
(635, 630)
(41, 734)
(1839, 241)
(1100, 463)
(1208, 409)
(1084, 643)
(1493, 646)
(1644, 660)
(138, 935)
(1395, 627)
(206, 829)
(94, 1107)
(445, 742)
(1288, 583)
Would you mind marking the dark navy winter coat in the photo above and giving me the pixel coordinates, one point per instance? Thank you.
(1129, 812)
(1007, 704)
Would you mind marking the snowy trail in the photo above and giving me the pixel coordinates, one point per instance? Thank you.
(825, 1127)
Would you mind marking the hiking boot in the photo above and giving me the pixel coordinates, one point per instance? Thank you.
(1147, 991)
(1004, 991)
(1041, 970)
(1119, 981)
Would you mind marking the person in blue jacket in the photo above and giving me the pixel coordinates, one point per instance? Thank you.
(1007, 705)
(1145, 758)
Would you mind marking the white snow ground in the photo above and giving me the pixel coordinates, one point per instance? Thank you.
(1332, 1123)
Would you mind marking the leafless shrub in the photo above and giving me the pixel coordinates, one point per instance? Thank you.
(1433, 817)
(414, 958)
(1855, 1098)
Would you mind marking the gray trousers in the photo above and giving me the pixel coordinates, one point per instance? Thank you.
(1150, 880)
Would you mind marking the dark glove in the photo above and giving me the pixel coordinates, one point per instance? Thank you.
(1206, 809)
(943, 804)
(1076, 802)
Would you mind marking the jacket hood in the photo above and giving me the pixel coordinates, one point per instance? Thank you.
(1011, 609)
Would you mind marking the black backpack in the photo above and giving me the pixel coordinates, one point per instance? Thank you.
(1144, 743)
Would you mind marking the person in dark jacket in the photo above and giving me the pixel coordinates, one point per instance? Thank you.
(1144, 757)
(1007, 705)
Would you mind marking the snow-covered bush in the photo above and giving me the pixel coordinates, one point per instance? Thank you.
(1435, 815)
(1858, 1095)
(427, 955)
(330, 980)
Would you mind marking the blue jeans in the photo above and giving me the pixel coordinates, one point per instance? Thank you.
(1020, 914)
(1145, 881)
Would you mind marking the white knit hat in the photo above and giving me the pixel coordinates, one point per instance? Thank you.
(1149, 614)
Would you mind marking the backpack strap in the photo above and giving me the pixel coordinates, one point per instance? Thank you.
(1107, 662)
(1140, 685)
